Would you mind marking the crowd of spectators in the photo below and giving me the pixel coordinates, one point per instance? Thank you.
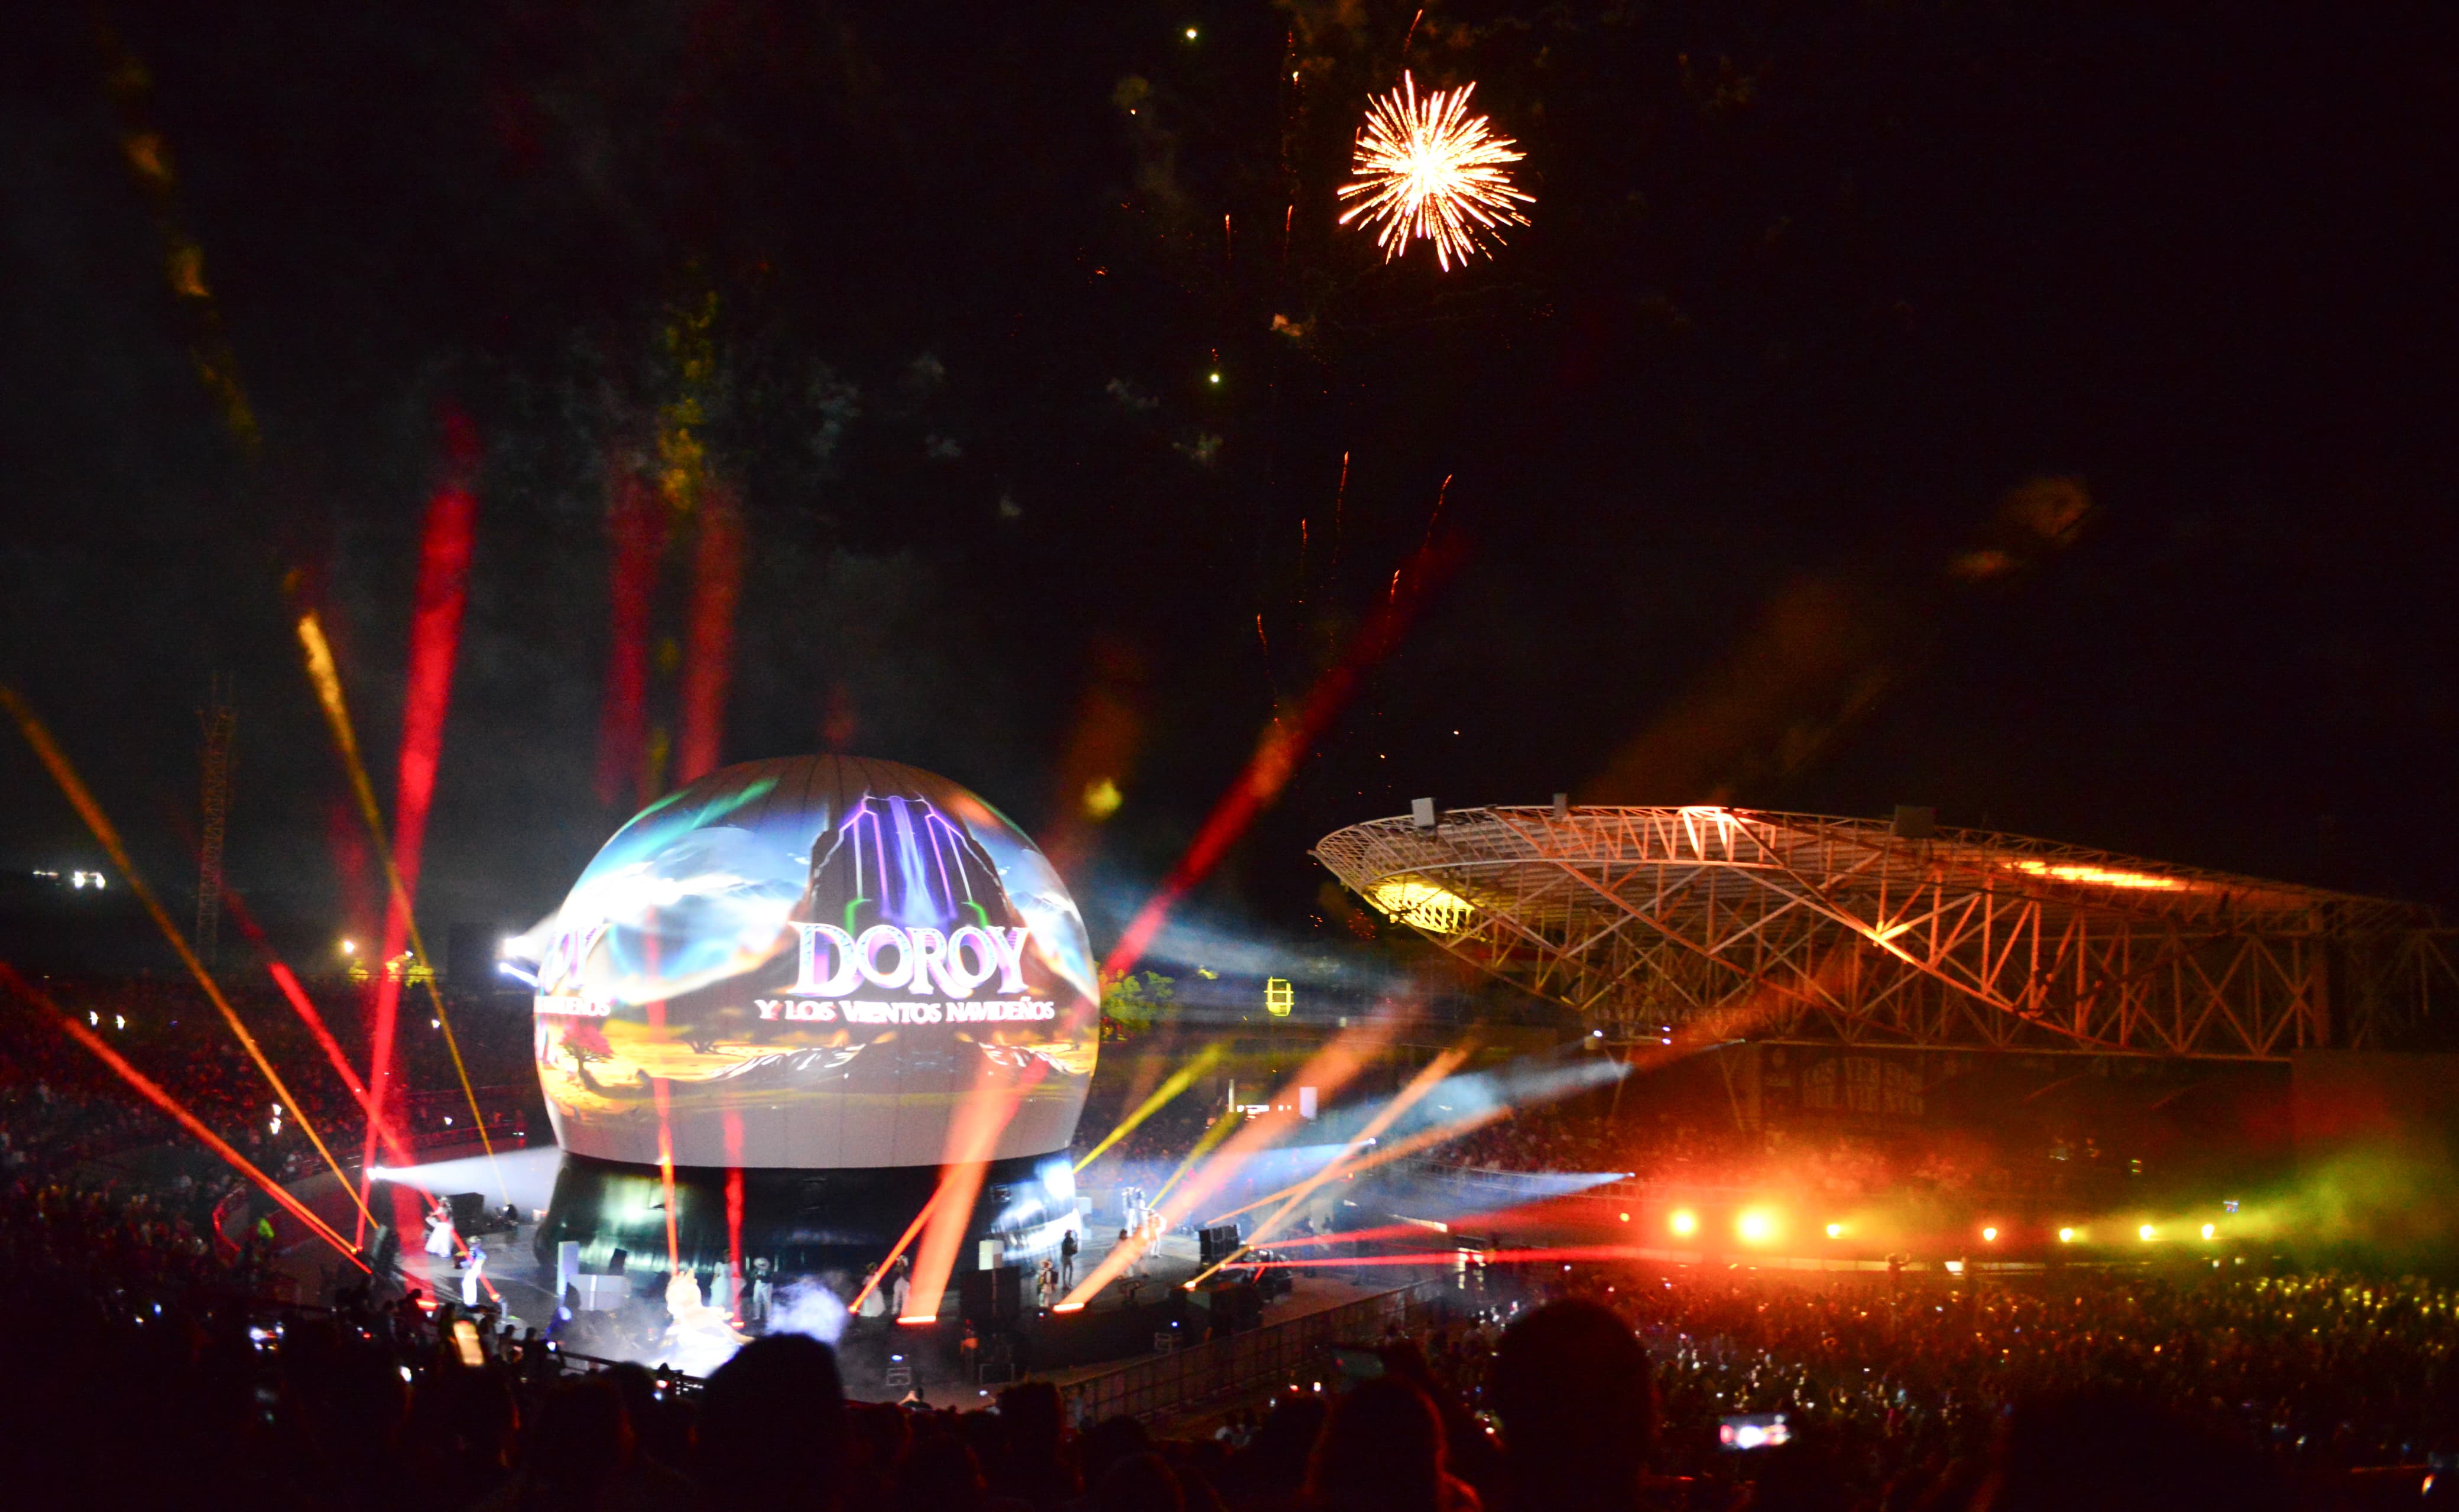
(145, 1368)
(147, 1378)
(169, 1031)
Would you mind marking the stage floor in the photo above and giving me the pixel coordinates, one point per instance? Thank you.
(869, 1348)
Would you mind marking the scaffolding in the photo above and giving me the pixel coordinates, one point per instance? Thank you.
(1706, 924)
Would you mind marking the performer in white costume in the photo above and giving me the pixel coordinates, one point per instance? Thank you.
(701, 1337)
(439, 1229)
(472, 1291)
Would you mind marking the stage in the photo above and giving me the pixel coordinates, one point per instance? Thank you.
(881, 1359)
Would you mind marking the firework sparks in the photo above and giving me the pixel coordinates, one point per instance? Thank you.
(1427, 168)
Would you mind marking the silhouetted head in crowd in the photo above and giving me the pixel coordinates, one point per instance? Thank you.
(2112, 1451)
(1382, 1451)
(1035, 1422)
(1107, 1442)
(1140, 1482)
(578, 1439)
(1277, 1461)
(939, 1474)
(772, 1426)
(1571, 1384)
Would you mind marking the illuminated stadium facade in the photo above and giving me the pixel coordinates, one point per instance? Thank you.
(1714, 924)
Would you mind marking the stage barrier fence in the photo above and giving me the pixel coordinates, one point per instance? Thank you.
(1204, 1372)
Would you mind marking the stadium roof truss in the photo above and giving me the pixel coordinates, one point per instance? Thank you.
(1733, 923)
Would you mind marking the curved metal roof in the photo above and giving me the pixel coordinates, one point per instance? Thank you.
(1841, 926)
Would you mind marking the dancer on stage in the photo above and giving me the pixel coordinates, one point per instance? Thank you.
(763, 1296)
(439, 1229)
(472, 1268)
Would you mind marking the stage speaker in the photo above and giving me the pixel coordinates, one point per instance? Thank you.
(1213, 1246)
(469, 1213)
(990, 1298)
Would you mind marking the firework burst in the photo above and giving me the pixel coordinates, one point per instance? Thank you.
(1427, 168)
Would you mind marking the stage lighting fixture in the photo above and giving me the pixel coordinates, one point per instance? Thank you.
(1757, 1226)
(1989, 1235)
(1626, 1217)
(2066, 1236)
(2209, 1231)
(1684, 1221)
(2146, 1232)
(1835, 1230)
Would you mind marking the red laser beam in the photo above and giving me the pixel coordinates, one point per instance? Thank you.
(296, 994)
(1282, 749)
(709, 662)
(1541, 1256)
(434, 643)
(153, 1093)
(55, 762)
(636, 528)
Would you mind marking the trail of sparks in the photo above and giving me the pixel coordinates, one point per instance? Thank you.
(638, 535)
(708, 665)
(1429, 170)
(56, 763)
(153, 1093)
(1179, 1082)
(1279, 751)
(127, 81)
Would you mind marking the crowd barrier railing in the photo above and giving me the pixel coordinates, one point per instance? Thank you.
(1189, 1378)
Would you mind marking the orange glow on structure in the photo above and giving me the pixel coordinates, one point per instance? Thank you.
(2100, 876)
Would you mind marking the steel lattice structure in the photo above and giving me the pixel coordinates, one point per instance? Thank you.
(1729, 923)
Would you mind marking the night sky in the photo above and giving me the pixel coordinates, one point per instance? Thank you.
(2039, 412)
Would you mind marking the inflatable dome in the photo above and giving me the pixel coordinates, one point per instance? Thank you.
(814, 962)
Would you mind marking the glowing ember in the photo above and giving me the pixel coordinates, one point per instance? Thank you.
(1426, 168)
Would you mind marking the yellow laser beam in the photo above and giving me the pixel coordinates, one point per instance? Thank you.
(56, 762)
(1179, 1082)
(1427, 1081)
(1218, 1132)
(328, 678)
(1328, 1070)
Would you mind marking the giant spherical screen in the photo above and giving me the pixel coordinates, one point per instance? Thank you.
(814, 962)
